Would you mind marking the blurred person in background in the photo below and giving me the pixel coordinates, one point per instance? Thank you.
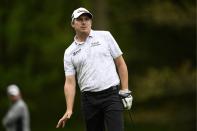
(17, 117)
(94, 56)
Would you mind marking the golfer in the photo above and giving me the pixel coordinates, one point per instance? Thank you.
(94, 56)
(17, 117)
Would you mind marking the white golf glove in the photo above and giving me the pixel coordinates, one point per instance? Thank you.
(127, 99)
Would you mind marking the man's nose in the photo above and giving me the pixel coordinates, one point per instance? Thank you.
(83, 21)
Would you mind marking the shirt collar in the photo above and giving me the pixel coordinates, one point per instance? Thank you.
(90, 35)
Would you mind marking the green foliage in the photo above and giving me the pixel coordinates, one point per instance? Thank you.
(165, 83)
(166, 97)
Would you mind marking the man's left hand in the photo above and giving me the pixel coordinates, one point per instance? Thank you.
(127, 98)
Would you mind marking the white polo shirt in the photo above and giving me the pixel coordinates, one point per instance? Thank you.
(93, 62)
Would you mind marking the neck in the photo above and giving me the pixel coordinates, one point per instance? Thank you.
(81, 37)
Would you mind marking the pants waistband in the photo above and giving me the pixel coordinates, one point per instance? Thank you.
(110, 89)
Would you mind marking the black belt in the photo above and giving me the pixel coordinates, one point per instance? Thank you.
(108, 90)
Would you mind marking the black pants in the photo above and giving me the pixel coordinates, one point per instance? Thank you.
(103, 110)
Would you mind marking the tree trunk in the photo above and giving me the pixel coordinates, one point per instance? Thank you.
(100, 19)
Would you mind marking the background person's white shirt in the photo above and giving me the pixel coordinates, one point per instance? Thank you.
(93, 61)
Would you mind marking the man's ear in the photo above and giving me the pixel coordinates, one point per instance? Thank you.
(72, 23)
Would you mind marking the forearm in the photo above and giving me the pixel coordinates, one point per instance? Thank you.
(124, 93)
(123, 74)
(69, 91)
(122, 71)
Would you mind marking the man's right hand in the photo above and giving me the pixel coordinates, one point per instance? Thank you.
(62, 121)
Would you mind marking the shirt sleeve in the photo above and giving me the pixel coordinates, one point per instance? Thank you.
(68, 65)
(113, 46)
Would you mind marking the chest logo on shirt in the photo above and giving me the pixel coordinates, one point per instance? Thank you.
(76, 52)
(95, 43)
